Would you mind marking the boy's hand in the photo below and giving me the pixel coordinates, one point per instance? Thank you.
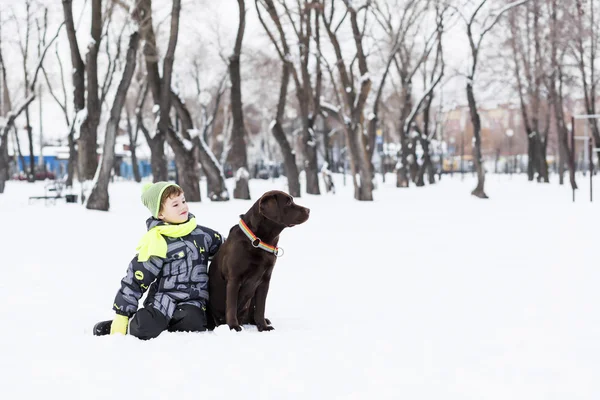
(119, 325)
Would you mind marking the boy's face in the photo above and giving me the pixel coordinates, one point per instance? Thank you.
(175, 210)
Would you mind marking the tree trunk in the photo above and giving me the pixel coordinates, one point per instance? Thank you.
(185, 162)
(133, 148)
(426, 167)
(164, 120)
(563, 137)
(133, 135)
(217, 190)
(412, 160)
(355, 104)
(543, 162)
(237, 155)
(78, 86)
(158, 161)
(215, 178)
(99, 199)
(88, 136)
(361, 172)
(4, 164)
(289, 158)
(19, 153)
(561, 163)
(402, 166)
(309, 143)
(185, 159)
(531, 156)
(31, 169)
(72, 163)
(477, 159)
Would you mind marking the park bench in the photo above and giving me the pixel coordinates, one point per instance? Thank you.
(52, 192)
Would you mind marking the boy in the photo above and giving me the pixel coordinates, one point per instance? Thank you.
(172, 263)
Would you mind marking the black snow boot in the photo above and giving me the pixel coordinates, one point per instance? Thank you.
(102, 328)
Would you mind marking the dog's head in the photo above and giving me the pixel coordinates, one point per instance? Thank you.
(279, 207)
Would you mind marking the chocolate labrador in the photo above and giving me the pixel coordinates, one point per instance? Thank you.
(240, 273)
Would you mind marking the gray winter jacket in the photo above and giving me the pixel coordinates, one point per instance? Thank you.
(180, 278)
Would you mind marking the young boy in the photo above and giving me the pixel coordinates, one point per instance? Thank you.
(172, 263)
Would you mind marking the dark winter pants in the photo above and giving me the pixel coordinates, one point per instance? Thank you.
(148, 323)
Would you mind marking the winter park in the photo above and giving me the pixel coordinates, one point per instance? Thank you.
(316, 199)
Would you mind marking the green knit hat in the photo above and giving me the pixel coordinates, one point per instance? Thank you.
(151, 195)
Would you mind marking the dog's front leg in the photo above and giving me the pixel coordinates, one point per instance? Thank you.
(231, 304)
(259, 310)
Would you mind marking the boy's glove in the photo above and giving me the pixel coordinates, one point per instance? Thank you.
(119, 324)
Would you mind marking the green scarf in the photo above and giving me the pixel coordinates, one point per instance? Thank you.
(154, 244)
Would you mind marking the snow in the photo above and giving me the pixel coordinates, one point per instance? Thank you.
(187, 144)
(242, 173)
(448, 297)
(193, 132)
(80, 118)
(329, 106)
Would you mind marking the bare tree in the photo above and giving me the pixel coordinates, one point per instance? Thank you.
(431, 79)
(24, 47)
(99, 198)
(88, 114)
(354, 102)
(395, 34)
(181, 145)
(237, 154)
(283, 50)
(13, 114)
(585, 52)
(61, 101)
(475, 43)
(156, 139)
(555, 84)
(408, 59)
(305, 33)
(529, 67)
(6, 109)
(215, 178)
(133, 133)
(88, 136)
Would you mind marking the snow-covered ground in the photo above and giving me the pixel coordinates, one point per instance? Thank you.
(422, 294)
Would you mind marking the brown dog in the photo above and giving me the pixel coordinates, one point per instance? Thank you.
(239, 275)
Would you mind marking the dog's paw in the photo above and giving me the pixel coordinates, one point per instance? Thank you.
(265, 328)
(236, 328)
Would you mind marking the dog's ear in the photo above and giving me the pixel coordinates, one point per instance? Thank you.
(268, 207)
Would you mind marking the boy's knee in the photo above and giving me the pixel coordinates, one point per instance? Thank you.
(147, 324)
(188, 318)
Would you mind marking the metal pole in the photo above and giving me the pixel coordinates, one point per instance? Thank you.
(591, 162)
(573, 152)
